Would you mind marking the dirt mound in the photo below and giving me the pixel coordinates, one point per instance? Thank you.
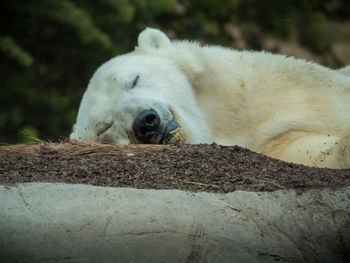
(211, 168)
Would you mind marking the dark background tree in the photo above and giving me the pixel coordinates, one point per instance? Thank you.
(50, 48)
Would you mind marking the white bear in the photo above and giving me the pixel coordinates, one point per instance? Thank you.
(180, 92)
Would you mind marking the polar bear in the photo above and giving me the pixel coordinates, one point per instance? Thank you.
(174, 92)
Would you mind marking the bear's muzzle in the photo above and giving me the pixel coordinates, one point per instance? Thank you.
(147, 128)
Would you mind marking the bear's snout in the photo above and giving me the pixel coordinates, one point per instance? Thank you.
(146, 127)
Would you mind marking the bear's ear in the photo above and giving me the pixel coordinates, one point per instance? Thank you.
(153, 39)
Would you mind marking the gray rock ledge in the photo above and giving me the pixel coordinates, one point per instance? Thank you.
(44, 222)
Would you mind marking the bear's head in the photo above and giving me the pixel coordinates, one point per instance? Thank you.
(141, 97)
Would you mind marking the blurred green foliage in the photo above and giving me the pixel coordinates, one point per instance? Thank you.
(50, 48)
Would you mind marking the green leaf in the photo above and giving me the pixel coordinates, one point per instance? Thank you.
(13, 50)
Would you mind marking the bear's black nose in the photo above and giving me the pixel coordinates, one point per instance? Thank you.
(146, 126)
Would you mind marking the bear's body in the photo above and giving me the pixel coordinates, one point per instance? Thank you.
(280, 106)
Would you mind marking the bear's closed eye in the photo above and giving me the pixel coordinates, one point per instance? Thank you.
(135, 81)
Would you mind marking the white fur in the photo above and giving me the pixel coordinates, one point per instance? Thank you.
(280, 106)
(345, 70)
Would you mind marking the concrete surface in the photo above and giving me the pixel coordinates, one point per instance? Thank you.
(43, 222)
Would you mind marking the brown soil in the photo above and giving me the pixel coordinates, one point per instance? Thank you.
(211, 168)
